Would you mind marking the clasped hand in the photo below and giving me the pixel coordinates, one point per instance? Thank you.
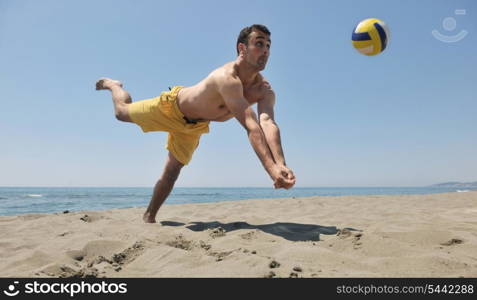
(283, 177)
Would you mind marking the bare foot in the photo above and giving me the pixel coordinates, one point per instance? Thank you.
(106, 83)
(147, 218)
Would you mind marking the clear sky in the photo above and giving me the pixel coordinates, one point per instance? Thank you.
(406, 117)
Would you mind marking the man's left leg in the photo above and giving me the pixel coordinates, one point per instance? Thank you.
(121, 98)
(163, 187)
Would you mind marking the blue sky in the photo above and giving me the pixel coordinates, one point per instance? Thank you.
(406, 117)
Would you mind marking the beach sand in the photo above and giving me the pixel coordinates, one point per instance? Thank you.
(353, 236)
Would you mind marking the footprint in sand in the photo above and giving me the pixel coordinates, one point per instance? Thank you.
(181, 243)
(270, 275)
(76, 254)
(64, 271)
(98, 260)
(344, 233)
(297, 269)
(219, 256)
(86, 219)
(452, 242)
(356, 243)
(87, 273)
(92, 217)
(129, 254)
(217, 232)
(204, 245)
(274, 264)
(249, 235)
(95, 255)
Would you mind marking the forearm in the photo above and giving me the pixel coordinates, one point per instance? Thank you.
(272, 136)
(258, 141)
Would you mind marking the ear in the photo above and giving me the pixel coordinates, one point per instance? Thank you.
(241, 47)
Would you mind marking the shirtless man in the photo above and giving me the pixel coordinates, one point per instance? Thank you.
(185, 112)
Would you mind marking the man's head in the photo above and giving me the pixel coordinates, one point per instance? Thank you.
(253, 45)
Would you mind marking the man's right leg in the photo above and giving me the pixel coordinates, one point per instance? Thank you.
(121, 98)
(163, 187)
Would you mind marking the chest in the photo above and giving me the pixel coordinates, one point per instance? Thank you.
(254, 93)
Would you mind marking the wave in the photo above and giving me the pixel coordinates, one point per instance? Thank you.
(462, 191)
(34, 195)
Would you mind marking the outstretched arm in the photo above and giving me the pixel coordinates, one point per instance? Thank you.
(271, 130)
(269, 127)
(232, 92)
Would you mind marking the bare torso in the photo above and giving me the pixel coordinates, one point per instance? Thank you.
(203, 101)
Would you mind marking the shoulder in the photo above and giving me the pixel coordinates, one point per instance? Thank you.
(227, 77)
(266, 88)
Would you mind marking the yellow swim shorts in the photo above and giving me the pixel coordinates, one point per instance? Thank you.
(163, 114)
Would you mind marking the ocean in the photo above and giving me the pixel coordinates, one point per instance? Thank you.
(25, 200)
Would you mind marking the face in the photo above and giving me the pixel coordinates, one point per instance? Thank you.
(258, 50)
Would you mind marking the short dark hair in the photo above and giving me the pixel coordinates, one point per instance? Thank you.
(245, 34)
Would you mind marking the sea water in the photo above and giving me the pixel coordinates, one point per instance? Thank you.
(24, 200)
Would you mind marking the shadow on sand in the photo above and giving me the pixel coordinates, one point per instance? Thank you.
(289, 231)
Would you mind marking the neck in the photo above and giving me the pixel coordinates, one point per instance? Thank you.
(246, 72)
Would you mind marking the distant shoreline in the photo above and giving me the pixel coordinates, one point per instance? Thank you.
(456, 184)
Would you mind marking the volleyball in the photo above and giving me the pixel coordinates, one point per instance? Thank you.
(370, 37)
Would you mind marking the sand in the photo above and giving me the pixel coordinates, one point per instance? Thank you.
(352, 236)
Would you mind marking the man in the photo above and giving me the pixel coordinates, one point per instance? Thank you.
(185, 112)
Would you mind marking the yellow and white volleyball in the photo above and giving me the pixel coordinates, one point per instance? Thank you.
(370, 37)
